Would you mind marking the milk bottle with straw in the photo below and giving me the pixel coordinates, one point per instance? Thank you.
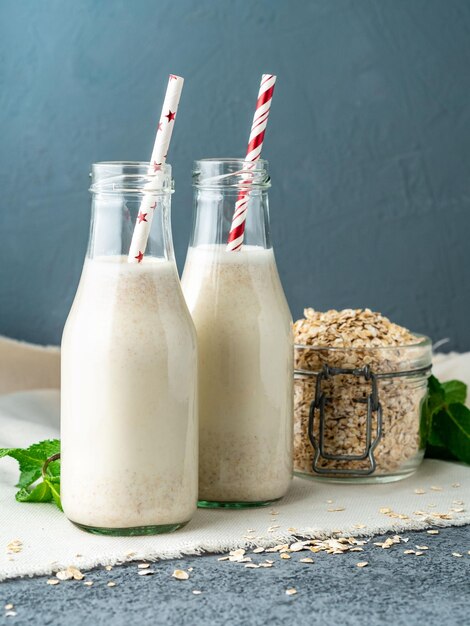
(244, 330)
(129, 359)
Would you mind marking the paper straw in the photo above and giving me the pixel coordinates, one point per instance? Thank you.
(253, 153)
(159, 153)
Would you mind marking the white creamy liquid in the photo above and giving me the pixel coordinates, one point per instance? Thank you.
(129, 395)
(245, 348)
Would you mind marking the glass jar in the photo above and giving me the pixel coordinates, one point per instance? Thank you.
(129, 369)
(245, 341)
(358, 411)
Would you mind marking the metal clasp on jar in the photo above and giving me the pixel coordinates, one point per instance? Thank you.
(318, 405)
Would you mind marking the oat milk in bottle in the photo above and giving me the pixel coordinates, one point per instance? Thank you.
(129, 371)
(245, 343)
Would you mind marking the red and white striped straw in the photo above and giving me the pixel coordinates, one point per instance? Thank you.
(253, 153)
(159, 153)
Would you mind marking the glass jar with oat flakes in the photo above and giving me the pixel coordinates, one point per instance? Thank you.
(360, 384)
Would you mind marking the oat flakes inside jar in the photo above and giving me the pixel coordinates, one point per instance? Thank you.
(360, 384)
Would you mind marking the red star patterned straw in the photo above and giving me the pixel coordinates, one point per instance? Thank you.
(253, 153)
(158, 158)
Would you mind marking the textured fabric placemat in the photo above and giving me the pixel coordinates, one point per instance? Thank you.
(311, 509)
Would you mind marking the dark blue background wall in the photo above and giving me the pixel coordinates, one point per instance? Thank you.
(369, 141)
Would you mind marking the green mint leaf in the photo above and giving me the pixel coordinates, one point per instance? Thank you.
(435, 400)
(454, 391)
(40, 493)
(436, 395)
(438, 421)
(31, 459)
(453, 429)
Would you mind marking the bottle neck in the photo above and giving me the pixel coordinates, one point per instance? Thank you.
(119, 190)
(219, 187)
(213, 213)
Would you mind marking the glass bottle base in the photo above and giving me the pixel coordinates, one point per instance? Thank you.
(214, 504)
(131, 532)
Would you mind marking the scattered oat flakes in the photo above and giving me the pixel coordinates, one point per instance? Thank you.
(196, 592)
(10, 614)
(385, 510)
(359, 526)
(9, 607)
(69, 573)
(52, 581)
(297, 546)
(111, 583)
(307, 559)
(180, 574)
(455, 485)
(433, 531)
(88, 583)
(362, 564)
(190, 569)
(143, 565)
(420, 491)
(284, 555)
(457, 554)
(291, 591)
(422, 547)
(409, 552)
(292, 530)
(145, 572)
(108, 568)
(258, 550)
(223, 558)
(237, 553)
(435, 488)
(271, 529)
(15, 546)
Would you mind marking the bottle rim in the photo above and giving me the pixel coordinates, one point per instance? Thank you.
(131, 178)
(231, 173)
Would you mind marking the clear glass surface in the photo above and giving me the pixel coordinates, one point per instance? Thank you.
(129, 370)
(245, 342)
(398, 445)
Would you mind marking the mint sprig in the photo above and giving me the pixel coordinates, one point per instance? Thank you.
(445, 425)
(32, 462)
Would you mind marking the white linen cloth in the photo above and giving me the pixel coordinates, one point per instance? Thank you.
(50, 542)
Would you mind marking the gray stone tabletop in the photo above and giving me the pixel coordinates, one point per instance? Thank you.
(395, 588)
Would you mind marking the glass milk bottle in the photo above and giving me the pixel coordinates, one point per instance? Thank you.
(245, 342)
(129, 369)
